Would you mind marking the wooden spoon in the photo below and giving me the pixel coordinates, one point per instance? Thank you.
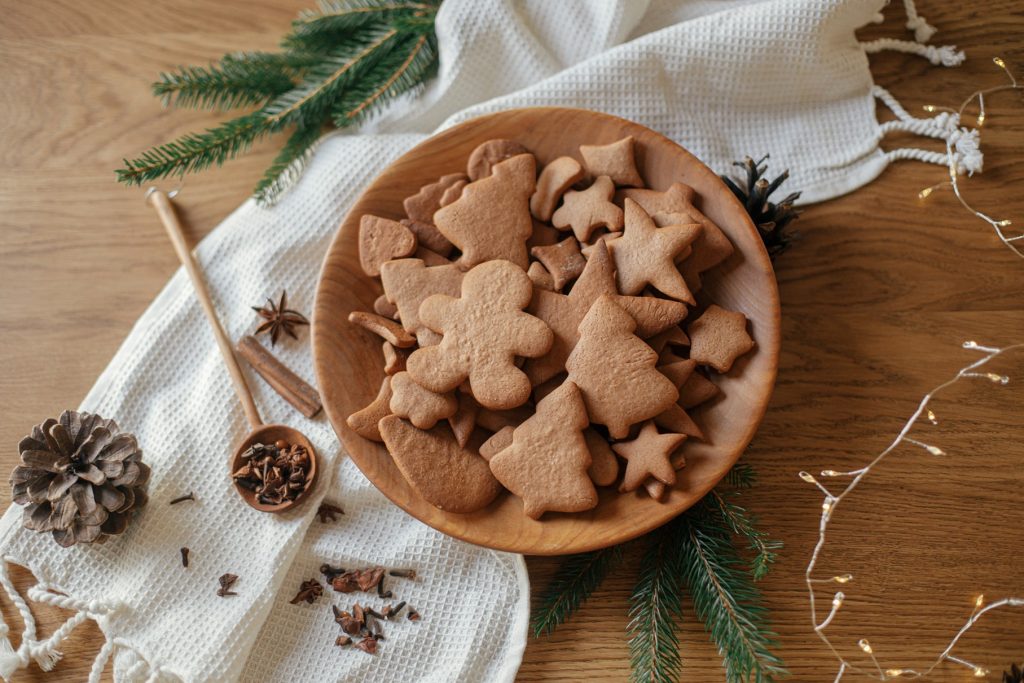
(261, 433)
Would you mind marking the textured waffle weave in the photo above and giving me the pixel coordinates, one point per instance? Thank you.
(723, 78)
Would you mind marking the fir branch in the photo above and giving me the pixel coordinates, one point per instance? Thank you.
(287, 165)
(318, 31)
(726, 600)
(741, 476)
(237, 80)
(743, 523)
(197, 151)
(576, 579)
(656, 611)
(417, 66)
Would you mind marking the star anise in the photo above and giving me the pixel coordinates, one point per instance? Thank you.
(279, 318)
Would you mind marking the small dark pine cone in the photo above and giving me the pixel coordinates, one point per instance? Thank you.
(80, 478)
(1014, 675)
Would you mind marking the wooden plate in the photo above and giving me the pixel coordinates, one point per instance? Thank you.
(349, 365)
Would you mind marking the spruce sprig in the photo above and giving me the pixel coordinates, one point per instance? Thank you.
(338, 66)
(656, 612)
(726, 600)
(576, 579)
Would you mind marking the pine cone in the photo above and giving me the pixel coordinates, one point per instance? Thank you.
(80, 478)
(770, 218)
(1014, 675)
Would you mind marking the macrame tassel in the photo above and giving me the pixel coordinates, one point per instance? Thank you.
(9, 659)
(47, 658)
(945, 55)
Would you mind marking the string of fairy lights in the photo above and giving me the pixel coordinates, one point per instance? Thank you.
(999, 225)
(832, 500)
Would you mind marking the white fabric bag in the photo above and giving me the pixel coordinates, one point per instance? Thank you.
(722, 78)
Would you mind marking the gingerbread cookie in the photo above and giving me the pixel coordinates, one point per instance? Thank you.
(429, 237)
(648, 455)
(554, 180)
(677, 199)
(675, 419)
(546, 463)
(709, 250)
(407, 282)
(388, 329)
(424, 204)
(496, 420)
(719, 337)
(673, 336)
(483, 332)
(655, 489)
(543, 235)
(422, 407)
(380, 240)
(364, 422)
(384, 308)
(652, 314)
(645, 254)
(585, 211)
(615, 161)
(696, 390)
(604, 468)
(464, 420)
(540, 277)
(446, 475)
(430, 258)
(629, 389)
(491, 220)
(394, 358)
(679, 371)
(600, 239)
(489, 154)
(453, 192)
(498, 442)
(563, 261)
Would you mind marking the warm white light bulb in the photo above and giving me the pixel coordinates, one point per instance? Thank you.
(981, 119)
(979, 601)
(837, 601)
(808, 477)
(999, 62)
(935, 450)
(865, 645)
(923, 194)
(843, 578)
(929, 107)
(931, 417)
(1004, 223)
(894, 673)
(979, 672)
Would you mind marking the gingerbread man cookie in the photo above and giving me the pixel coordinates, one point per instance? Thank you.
(546, 463)
(483, 332)
(407, 282)
(585, 211)
(491, 220)
(624, 392)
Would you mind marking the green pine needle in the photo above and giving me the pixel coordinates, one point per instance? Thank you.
(339, 67)
(744, 524)
(237, 80)
(725, 598)
(576, 579)
(656, 611)
(288, 165)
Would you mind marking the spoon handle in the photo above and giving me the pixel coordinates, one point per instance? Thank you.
(165, 210)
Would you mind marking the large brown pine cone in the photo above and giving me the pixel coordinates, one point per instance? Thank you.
(80, 478)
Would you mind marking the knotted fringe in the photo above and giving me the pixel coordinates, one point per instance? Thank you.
(45, 652)
(963, 149)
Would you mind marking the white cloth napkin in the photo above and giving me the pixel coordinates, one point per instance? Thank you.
(724, 79)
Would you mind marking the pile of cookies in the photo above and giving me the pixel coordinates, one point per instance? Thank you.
(533, 330)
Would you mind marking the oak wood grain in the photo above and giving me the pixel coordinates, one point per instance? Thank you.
(876, 299)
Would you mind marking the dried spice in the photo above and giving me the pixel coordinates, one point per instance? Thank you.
(354, 580)
(368, 645)
(80, 478)
(226, 582)
(279, 318)
(184, 557)
(182, 499)
(413, 615)
(276, 472)
(403, 573)
(328, 512)
(309, 591)
(330, 572)
(342, 641)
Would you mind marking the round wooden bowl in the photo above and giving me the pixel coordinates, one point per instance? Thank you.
(349, 365)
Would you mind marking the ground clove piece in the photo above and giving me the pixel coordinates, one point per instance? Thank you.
(182, 499)
(309, 591)
(184, 557)
(403, 573)
(328, 513)
(413, 615)
(226, 582)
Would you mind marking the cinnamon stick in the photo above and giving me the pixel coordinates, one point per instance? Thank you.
(286, 383)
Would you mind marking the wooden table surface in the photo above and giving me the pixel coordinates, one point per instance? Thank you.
(877, 297)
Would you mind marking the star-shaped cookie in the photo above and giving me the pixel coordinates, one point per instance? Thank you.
(719, 337)
(648, 455)
(709, 249)
(583, 211)
(614, 160)
(564, 313)
(562, 260)
(645, 254)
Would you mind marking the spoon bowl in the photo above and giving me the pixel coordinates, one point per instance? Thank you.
(268, 434)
